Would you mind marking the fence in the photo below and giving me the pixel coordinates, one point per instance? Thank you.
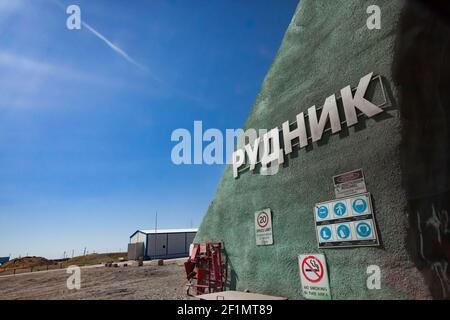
(20, 270)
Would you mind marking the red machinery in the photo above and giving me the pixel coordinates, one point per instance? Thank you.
(205, 269)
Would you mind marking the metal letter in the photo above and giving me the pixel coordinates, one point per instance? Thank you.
(300, 133)
(358, 101)
(252, 153)
(238, 161)
(329, 109)
(271, 154)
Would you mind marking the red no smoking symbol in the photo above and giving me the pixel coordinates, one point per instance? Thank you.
(312, 269)
(263, 219)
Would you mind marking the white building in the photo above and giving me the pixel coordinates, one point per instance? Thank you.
(164, 243)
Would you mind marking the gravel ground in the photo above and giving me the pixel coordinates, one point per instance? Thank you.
(122, 283)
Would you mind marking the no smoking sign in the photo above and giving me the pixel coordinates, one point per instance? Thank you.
(314, 277)
(312, 269)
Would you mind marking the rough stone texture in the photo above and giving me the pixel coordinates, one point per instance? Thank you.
(326, 47)
(421, 70)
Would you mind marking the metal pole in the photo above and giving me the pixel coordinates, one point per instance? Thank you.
(156, 230)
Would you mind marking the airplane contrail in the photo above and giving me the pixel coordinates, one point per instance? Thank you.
(118, 50)
(112, 45)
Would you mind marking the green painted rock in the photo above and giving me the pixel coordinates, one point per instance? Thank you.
(403, 152)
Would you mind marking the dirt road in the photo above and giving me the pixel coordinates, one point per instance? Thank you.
(132, 282)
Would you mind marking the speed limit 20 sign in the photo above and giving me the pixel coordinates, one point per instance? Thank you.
(263, 227)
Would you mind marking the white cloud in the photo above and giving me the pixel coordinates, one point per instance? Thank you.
(19, 62)
(25, 81)
(33, 67)
(10, 6)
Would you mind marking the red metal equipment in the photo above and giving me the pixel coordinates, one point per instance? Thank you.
(205, 269)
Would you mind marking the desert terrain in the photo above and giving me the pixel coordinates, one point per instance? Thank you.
(100, 283)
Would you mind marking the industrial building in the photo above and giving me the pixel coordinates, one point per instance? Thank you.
(382, 175)
(161, 244)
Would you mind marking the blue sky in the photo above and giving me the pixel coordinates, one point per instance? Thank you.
(85, 149)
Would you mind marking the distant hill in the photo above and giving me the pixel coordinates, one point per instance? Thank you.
(90, 259)
(27, 262)
(95, 258)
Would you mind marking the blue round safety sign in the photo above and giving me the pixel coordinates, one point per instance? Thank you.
(339, 209)
(359, 205)
(343, 231)
(325, 233)
(363, 229)
(322, 212)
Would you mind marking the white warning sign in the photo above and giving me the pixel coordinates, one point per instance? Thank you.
(314, 277)
(349, 183)
(263, 227)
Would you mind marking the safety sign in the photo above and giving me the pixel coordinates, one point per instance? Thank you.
(325, 233)
(359, 205)
(343, 231)
(314, 276)
(346, 222)
(322, 212)
(349, 183)
(364, 229)
(263, 227)
(340, 209)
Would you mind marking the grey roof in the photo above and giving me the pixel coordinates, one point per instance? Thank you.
(159, 231)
